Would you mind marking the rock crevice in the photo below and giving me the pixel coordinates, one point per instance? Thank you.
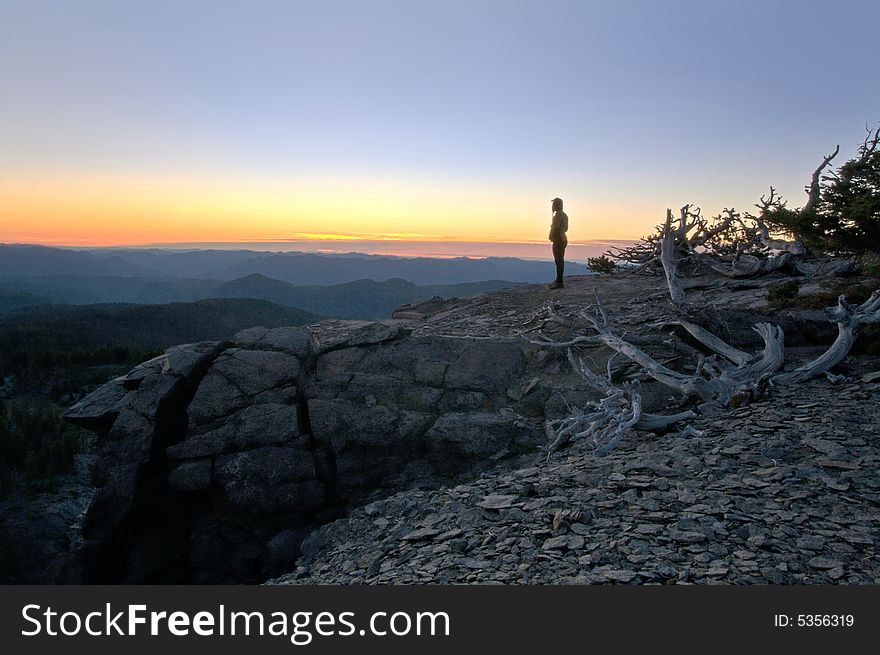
(137, 417)
(217, 459)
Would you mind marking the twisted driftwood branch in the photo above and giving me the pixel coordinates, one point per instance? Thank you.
(606, 422)
(849, 318)
(717, 380)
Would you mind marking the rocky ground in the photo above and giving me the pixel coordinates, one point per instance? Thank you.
(783, 490)
(632, 299)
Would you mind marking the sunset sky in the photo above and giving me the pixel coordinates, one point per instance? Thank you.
(273, 121)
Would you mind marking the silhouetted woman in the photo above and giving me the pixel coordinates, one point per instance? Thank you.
(558, 228)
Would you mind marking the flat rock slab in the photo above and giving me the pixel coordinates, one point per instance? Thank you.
(348, 334)
(422, 533)
(874, 376)
(498, 501)
(99, 409)
(298, 341)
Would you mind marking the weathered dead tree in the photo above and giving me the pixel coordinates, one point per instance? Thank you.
(687, 236)
(848, 318)
(717, 379)
(815, 187)
(668, 240)
(737, 245)
(726, 376)
(605, 422)
(769, 204)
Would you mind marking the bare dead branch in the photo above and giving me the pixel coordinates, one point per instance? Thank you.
(815, 183)
(870, 144)
(736, 356)
(848, 319)
(667, 257)
(607, 421)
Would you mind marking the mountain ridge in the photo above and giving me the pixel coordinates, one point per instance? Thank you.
(299, 268)
(356, 299)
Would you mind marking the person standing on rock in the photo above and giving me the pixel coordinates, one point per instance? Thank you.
(558, 228)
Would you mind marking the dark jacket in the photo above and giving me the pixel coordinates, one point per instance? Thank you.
(559, 227)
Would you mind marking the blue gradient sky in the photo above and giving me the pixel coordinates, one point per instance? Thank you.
(476, 113)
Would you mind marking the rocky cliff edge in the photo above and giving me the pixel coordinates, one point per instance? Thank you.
(415, 442)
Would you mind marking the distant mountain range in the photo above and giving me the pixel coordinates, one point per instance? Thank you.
(294, 267)
(359, 299)
(340, 286)
(28, 260)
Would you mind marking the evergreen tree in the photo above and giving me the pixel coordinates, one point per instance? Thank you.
(848, 214)
(843, 210)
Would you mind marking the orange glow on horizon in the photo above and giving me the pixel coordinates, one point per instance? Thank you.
(132, 211)
(364, 236)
